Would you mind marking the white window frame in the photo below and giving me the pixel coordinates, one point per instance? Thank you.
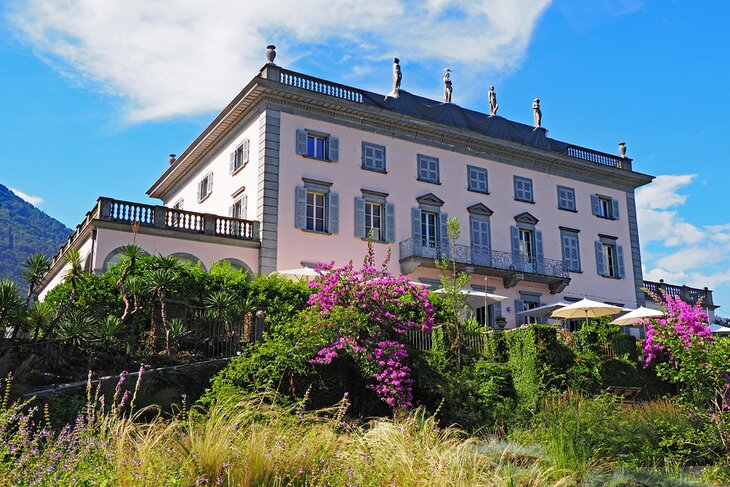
(314, 137)
(208, 186)
(430, 237)
(239, 207)
(610, 265)
(374, 222)
(527, 244)
(240, 156)
(311, 222)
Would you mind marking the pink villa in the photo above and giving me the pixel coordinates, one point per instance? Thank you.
(298, 170)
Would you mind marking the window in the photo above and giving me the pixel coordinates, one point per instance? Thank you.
(239, 157)
(604, 207)
(523, 189)
(428, 169)
(527, 302)
(566, 198)
(429, 229)
(317, 145)
(477, 179)
(316, 208)
(373, 220)
(526, 244)
(238, 208)
(571, 250)
(316, 211)
(609, 258)
(178, 204)
(373, 157)
(205, 186)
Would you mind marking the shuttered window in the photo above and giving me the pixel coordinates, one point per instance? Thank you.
(609, 259)
(566, 198)
(317, 145)
(477, 179)
(205, 186)
(239, 157)
(373, 157)
(571, 250)
(317, 210)
(428, 169)
(523, 189)
(604, 207)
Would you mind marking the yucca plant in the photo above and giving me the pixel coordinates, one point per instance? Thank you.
(108, 333)
(75, 327)
(35, 267)
(40, 316)
(10, 306)
(176, 330)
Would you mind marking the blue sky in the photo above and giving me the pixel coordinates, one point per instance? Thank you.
(94, 97)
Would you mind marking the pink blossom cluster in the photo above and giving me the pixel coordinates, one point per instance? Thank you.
(390, 305)
(684, 324)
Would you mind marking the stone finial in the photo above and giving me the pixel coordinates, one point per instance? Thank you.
(493, 105)
(622, 149)
(172, 159)
(537, 115)
(270, 53)
(448, 87)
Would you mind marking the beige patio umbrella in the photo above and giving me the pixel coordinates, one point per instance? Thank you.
(636, 316)
(301, 274)
(477, 299)
(585, 308)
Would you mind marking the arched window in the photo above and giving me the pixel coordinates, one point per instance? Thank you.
(186, 257)
(114, 256)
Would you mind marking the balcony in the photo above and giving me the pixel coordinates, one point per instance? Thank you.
(130, 215)
(690, 295)
(509, 267)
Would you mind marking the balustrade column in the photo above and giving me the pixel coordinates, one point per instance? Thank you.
(159, 214)
(209, 224)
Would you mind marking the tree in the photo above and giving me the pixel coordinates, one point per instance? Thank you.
(35, 267)
(40, 316)
(75, 273)
(10, 306)
(160, 283)
(130, 255)
(452, 282)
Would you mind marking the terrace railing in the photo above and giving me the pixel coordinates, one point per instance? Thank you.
(687, 294)
(469, 255)
(318, 85)
(599, 157)
(162, 217)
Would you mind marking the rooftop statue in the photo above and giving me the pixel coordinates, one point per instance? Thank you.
(448, 89)
(493, 105)
(397, 77)
(538, 113)
(622, 149)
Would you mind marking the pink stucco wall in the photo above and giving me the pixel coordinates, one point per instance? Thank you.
(296, 246)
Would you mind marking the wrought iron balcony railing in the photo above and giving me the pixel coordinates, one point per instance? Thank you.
(494, 259)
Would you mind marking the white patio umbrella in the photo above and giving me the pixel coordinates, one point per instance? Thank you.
(477, 299)
(300, 274)
(719, 330)
(636, 316)
(543, 311)
(585, 308)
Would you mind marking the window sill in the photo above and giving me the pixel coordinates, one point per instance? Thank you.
(305, 230)
(428, 181)
(238, 169)
(610, 277)
(376, 241)
(606, 217)
(373, 170)
(575, 272)
(477, 191)
(316, 158)
(525, 201)
(568, 209)
(200, 200)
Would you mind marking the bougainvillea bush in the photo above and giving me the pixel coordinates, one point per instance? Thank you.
(367, 313)
(683, 350)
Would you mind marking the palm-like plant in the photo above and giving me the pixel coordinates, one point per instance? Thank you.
(75, 273)
(40, 316)
(160, 283)
(108, 332)
(35, 267)
(10, 306)
(220, 301)
(130, 255)
(175, 332)
(75, 327)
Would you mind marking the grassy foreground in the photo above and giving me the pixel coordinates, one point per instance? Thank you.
(247, 441)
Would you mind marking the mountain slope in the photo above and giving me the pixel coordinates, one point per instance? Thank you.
(25, 230)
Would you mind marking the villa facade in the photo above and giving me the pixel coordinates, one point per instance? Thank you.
(297, 170)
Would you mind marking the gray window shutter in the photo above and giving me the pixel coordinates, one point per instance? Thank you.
(232, 162)
(390, 222)
(334, 148)
(528, 190)
(519, 307)
(620, 261)
(230, 210)
(497, 312)
(210, 183)
(301, 141)
(515, 234)
(333, 212)
(595, 205)
(614, 209)
(246, 144)
(360, 217)
(444, 230)
(200, 190)
(300, 211)
(600, 265)
(244, 206)
(539, 255)
(416, 228)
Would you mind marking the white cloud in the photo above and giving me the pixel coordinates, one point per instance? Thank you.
(33, 200)
(171, 58)
(662, 192)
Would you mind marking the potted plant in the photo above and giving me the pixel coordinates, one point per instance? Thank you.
(501, 322)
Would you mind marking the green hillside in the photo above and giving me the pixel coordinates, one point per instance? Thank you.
(25, 230)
